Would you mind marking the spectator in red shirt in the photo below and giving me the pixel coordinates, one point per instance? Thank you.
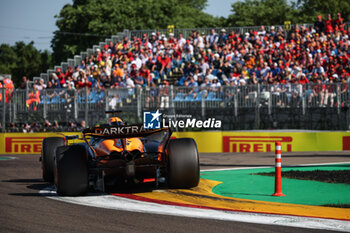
(329, 24)
(82, 80)
(60, 76)
(171, 39)
(330, 93)
(318, 90)
(303, 80)
(165, 62)
(69, 72)
(146, 74)
(340, 22)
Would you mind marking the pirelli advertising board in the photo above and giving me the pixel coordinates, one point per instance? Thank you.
(215, 142)
(262, 141)
(24, 143)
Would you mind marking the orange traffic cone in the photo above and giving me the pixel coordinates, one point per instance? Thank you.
(278, 175)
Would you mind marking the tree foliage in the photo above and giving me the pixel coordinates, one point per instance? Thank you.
(275, 12)
(86, 22)
(265, 12)
(23, 60)
(307, 10)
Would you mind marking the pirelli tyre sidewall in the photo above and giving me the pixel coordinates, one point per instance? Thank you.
(71, 170)
(183, 167)
(48, 153)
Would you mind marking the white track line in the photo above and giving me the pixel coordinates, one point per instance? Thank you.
(233, 168)
(7, 158)
(286, 166)
(125, 204)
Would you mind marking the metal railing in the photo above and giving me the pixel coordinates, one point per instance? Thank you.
(188, 31)
(292, 106)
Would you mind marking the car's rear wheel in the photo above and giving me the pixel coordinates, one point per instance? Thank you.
(71, 170)
(48, 153)
(183, 163)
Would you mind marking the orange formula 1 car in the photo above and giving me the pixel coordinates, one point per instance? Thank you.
(119, 152)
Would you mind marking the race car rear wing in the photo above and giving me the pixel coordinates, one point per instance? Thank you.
(124, 131)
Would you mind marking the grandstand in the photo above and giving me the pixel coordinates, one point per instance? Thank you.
(249, 77)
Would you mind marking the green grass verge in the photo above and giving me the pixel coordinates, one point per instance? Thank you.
(339, 176)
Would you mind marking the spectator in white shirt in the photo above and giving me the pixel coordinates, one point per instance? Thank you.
(41, 85)
(181, 40)
(213, 38)
(129, 83)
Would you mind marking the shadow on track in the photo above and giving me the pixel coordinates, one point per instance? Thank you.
(133, 188)
(34, 186)
(24, 181)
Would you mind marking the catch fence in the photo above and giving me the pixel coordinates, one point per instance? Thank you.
(279, 106)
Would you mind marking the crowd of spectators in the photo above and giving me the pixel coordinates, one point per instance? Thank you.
(45, 127)
(321, 51)
(318, 54)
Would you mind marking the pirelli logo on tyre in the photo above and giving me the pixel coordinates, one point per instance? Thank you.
(255, 143)
(23, 145)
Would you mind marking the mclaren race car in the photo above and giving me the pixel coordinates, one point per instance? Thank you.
(119, 153)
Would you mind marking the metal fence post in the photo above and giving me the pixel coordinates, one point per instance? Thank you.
(235, 101)
(10, 110)
(172, 105)
(14, 102)
(171, 94)
(3, 110)
(303, 97)
(139, 102)
(257, 109)
(75, 105)
(106, 100)
(269, 101)
(338, 98)
(45, 106)
(86, 107)
(171, 100)
(203, 106)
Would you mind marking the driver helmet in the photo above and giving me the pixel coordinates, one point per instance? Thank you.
(115, 121)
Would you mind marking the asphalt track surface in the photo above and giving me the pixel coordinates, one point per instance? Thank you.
(23, 209)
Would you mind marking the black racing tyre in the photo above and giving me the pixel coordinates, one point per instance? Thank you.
(183, 163)
(48, 153)
(71, 170)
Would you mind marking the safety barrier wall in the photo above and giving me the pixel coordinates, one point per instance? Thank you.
(212, 142)
(25, 143)
(263, 141)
